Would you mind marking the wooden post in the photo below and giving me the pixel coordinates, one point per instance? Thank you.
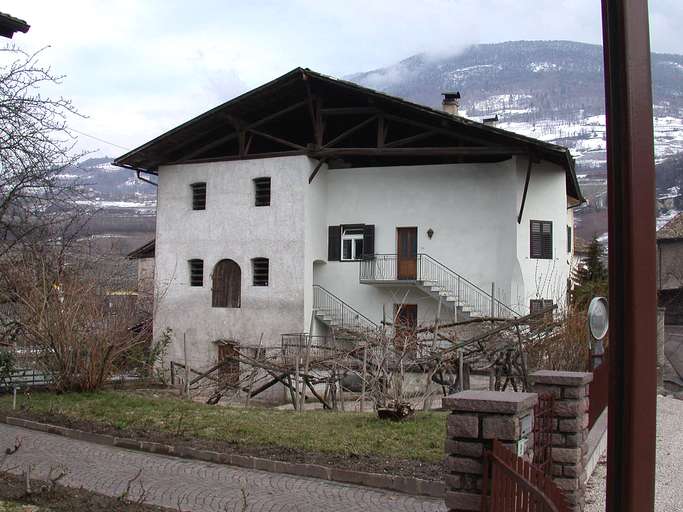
(461, 373)
(296, 375)
(341, 393)
(365, 376)
(187, 367)
(14, 399)
(302, 398)
(172, 373)
(253, 371)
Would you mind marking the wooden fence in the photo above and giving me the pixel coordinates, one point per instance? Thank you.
(517, 485)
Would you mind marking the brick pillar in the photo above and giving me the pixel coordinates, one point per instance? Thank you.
(570, 429)
(477, 418)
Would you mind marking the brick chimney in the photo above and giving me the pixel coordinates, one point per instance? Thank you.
(451, 102)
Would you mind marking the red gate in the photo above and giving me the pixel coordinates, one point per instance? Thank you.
(518, 486)
(598, 391)
(543, 428)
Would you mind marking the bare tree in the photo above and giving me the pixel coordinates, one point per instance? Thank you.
(35, 147)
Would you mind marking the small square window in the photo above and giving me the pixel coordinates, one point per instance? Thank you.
(260, 271)
(196, 272)
(198, 196)
(352, 243)
(262, 191)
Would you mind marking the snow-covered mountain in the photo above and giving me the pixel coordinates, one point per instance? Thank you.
(549, 90)
(105, 186)
(553, 91)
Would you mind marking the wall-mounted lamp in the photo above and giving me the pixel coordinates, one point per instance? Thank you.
(430, 233)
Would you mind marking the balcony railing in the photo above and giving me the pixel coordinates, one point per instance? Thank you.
(429, 272)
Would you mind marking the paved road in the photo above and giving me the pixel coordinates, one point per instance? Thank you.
(199, 486)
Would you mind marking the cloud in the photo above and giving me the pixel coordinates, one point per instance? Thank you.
(140, 68)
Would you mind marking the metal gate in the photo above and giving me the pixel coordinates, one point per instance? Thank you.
(517, 485)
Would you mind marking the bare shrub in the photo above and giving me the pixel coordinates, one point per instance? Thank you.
(566, 348)
(73, 318)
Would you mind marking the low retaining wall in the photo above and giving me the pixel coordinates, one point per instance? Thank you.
(407, 485)
(597, 444)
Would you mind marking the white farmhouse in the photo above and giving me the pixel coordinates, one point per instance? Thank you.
(311, 203)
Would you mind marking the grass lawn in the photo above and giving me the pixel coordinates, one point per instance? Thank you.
(13, 506)
(346, 434)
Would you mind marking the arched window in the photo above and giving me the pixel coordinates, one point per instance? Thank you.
(227, 283)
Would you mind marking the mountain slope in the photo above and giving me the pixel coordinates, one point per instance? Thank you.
(551, 90)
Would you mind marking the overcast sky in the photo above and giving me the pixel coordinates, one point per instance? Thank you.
(137, 68)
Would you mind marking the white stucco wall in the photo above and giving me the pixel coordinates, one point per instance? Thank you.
(231, 227)
(472, 209)
(546, 200)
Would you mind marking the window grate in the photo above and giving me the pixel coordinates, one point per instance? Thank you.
(198, 196)
(541, 239)
(260, 271)
(262, 191)
(196, 272)
(538, 305)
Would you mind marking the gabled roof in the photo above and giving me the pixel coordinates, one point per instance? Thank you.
(304, 112)
(672, 230)
(144, 251)
(9, 25)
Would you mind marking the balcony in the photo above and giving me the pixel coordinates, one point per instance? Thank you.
(435, 279)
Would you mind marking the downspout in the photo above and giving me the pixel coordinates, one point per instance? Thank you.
(145, 179)
(526, 188)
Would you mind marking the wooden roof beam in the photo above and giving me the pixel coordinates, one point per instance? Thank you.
(451, 151)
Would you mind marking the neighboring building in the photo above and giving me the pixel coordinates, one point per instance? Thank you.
(311, 203)
(9, 25)
(144, 257)
(670, 269)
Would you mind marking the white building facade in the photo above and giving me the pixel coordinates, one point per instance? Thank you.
(249, 248)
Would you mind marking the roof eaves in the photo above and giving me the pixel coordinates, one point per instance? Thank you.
(120, 161)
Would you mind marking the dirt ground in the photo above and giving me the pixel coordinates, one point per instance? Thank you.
(61, 499)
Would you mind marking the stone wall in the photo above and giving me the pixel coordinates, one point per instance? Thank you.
(570, 429)
(477, 418)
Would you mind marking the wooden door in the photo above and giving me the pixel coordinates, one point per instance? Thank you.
(230, 371)
(406, 322)
(406, 251)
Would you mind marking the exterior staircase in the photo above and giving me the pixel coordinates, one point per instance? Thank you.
(465, 298)
(335, 313)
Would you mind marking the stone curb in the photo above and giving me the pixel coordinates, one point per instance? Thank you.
(407, 485)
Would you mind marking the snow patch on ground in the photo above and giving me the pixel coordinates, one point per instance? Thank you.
(116, 204)
(463, 73)
(538, 67)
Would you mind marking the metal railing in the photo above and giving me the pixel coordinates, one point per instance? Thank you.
(384, 267)
(329, 305)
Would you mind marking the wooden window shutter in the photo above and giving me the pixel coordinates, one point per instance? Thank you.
(334, 243)
(541, 239)
(368, 241)
(547, 237)
(535, 239)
